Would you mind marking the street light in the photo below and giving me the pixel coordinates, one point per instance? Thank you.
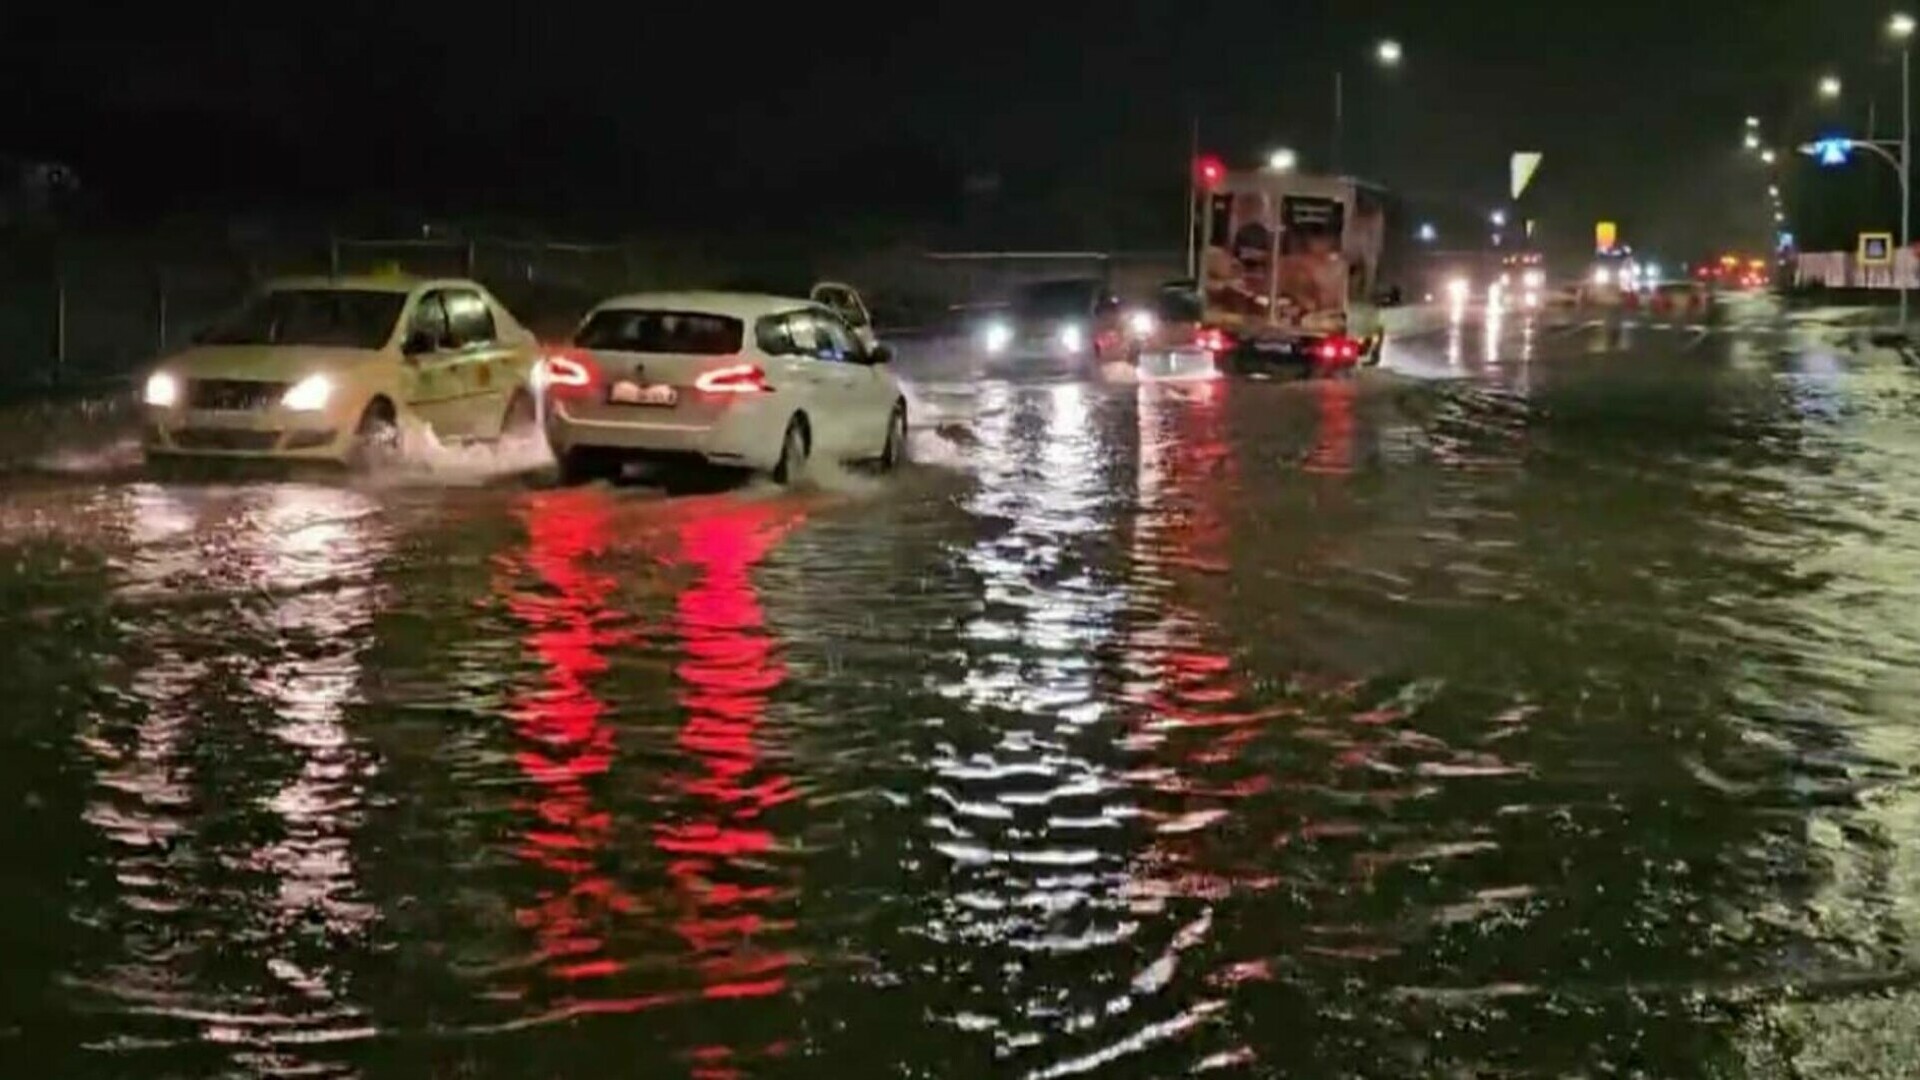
(1753, 121)
(1768, 157)
(1901, 25)
(1388, 54)
(1829, 86)
(1428, 234)
(1773, 191)
(1283, 160)
(1498, 218)
(1752, 141)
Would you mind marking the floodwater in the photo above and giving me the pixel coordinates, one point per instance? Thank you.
(1549, 706)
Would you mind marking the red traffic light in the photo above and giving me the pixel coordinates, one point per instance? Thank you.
(1210, 171)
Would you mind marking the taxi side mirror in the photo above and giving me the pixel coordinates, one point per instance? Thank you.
(417, 343)
(881, 354)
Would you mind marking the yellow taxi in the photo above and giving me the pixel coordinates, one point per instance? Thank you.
(335, 369)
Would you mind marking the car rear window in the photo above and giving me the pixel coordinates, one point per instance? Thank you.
(689, 332)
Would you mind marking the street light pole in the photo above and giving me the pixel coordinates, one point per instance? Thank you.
(1339, 114)
(1906, 171)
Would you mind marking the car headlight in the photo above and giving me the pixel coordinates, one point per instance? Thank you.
(1534, 279)
(308, 395)
(1072, 337)
(996, 337)
(163, 390)
(1458, 290)
(1141, 323)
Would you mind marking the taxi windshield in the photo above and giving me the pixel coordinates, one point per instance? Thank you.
(342, 318)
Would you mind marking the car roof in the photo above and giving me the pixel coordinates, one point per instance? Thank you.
(739, 305)
(394, 283)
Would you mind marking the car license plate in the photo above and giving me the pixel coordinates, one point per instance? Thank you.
(628, 392)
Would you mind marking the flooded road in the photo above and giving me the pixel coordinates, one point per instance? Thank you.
(1543, 707)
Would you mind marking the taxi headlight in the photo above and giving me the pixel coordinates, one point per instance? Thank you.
(1141, 323)
(308, 395)
(162, 391)
(1072, 337)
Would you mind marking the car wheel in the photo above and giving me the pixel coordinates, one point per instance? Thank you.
(376, 439)
(522, 420)
(1379, 350)
(582, 466)
(894, 453)
(793, 454)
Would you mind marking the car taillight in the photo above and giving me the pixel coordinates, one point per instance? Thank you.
(1214, 341)
(737, 379)
(567, 373)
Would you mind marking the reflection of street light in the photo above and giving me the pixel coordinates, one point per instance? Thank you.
(1829, 86)
(1283, 160)
(1388, 52)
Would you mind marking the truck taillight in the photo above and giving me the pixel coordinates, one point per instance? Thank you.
(1337, 349)
(735, 379)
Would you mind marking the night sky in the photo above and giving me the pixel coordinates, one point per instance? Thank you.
(1068, 122)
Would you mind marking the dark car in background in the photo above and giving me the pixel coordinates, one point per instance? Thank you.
(1067, 318)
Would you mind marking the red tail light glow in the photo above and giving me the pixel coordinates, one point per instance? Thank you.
(736, 379)
(1212, 340)
(567, 373)
(1338, 349)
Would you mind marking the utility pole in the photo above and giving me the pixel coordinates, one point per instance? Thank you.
(1193, 196)
(1339, 117)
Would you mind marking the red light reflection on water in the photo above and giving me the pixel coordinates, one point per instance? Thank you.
(1187, 479)
(730, 664)
(1333, 445)
(565, 740)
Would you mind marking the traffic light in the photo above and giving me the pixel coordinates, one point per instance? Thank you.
(1210, 171)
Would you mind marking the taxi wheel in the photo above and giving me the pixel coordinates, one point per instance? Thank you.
(376, 439)
(894, 454)
(1378, 351)
(793, 453)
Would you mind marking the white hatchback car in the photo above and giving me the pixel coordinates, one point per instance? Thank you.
(731, 379)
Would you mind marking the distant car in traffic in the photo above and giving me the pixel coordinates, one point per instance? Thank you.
(741, 380)
(1069, 318)
(330, 369)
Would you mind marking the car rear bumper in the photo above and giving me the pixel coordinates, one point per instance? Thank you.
(745, 433)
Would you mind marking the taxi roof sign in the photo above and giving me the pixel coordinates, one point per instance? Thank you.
(1876, 249)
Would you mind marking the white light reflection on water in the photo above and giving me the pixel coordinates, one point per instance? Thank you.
(1024, 803)
(259, 599)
